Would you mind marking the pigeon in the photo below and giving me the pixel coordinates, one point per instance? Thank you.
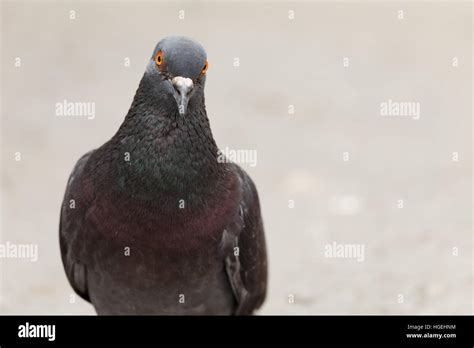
(155, 221)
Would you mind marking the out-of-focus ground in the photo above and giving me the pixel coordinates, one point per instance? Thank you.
(411, 264)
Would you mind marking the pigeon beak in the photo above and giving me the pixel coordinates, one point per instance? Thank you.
(183, 87)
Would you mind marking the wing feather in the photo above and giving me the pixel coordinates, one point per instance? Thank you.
(246, 265)
(70, 225)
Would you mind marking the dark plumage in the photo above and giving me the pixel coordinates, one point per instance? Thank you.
(158, 225)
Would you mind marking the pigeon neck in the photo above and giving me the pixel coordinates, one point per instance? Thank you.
(170, 150)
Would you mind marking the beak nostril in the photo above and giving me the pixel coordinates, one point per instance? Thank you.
(176, 89)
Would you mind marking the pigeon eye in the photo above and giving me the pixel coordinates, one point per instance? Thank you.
(159, 58)
(204, 68)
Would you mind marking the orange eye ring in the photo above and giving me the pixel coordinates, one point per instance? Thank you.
(159, 58)
(204, 68)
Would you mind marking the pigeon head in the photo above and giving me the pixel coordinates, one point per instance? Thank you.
(177, 70)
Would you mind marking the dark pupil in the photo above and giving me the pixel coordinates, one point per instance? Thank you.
(159, 58)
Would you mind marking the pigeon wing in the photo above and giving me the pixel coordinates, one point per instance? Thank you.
(246, 258)
(70, 227)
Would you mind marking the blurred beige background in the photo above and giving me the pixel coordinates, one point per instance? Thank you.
(410, 264)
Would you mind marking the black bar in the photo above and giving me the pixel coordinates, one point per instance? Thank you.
(132, 330)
